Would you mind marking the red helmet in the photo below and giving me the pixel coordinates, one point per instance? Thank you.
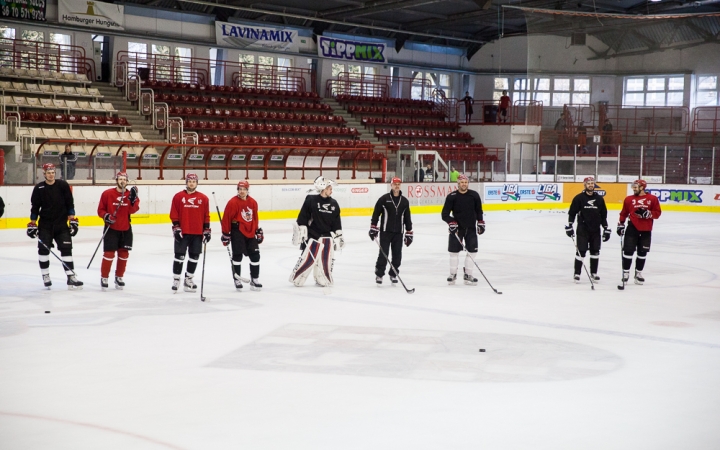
(243, 184)
(395, 180)
(641, 183)
(191, 176)
(48, 166)
(121, 174)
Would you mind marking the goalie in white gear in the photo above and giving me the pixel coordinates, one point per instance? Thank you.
(318, 231)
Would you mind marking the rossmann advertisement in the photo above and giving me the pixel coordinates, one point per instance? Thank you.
(549, 193)
(430, 193)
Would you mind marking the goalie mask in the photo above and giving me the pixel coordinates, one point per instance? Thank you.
(321, 183)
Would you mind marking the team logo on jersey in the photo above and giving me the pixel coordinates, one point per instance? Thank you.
(326, 208)
(247, 214)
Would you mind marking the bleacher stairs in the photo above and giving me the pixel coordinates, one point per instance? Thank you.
(129, 111)
(338, 110)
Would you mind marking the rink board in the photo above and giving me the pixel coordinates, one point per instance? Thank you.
(282, 201)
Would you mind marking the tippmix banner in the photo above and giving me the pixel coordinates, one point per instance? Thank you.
(351, 50)
(92, 14)
(256, 38)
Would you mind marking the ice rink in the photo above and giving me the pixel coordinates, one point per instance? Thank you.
(362, 367)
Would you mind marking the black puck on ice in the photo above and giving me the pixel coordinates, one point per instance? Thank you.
(482, 349)
(47, 312)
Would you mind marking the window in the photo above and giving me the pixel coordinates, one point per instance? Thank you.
(183, 64)
(6, 56)
(424, 83)
(707, 90)
(31, 35)
(246, 59)
(500, 84)
(556, 91)
(7, 33)
(137, 47)
(161, 60)
(30, 60)
(654, 91)
(541, 90)
(521, 88)
(266, 60)
(337, 69)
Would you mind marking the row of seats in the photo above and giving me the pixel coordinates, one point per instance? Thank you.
(202, 99)
(393, 111)
(422, 134)
(256, 115)
(81, 119)
(435, 146)
(100, 135)
(168, 85)
(419, 123)
(346, 98)
(86, 149)
(275, 128)
(49, 89)
(9, 72)
(49, 103)
(262, 140)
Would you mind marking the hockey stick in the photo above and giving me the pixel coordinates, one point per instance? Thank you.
(478, 267)
(235, 276)
(59, 259)
(107, 226)
(202, 278)
(577, 253)
(622, 279)
(409, 291)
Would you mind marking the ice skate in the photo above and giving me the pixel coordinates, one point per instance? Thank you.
(103, 284)
(47, 281)
(73, 283)
(378, 280)
(639, 278)
(255, 284)
(595, 277)
(576, 278)
(393, 279)
(119, 283)
(469, 279)
(625, 276)
(238, 283)
(189, 285)
(176, 283)
(451, 279)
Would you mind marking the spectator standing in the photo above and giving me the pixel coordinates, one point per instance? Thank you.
(468, 101)
(67, 163)
(504, 106)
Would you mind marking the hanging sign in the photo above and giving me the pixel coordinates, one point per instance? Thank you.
(92, 14)
(351, 50)
(256, 38)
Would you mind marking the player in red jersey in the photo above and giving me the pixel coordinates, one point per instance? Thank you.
(190, 216)
(642, 208)
(116, 206)
(240, 228)
(503, 107)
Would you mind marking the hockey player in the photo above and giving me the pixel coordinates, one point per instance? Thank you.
(115, 207)
(240, 229)
(190, 216)
(642, 208)
(591, 212)
(393, 212)
(464, 215)
(52, 201)
(318, 231)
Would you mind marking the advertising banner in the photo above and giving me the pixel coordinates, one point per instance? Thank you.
(23, 9)
(682, 194)
(351, 50)
(92, 14)
(522, 192)
(430, 193)
(256, 38)
(613, 193)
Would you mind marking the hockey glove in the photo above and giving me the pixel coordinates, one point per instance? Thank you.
(338, 241)
(177, 231)
(569, 230)
(74, 226)
(259, 236)
(206, 235)
(133, 195)
(225, 239)
(408, 238)
(621, 229)
(374, 231)
(606, 234)
(452, 227)
(643, 213)
(480, 227)
(109, 219)
(32, 230)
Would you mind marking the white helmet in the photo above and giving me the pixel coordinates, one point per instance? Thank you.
(321, 183)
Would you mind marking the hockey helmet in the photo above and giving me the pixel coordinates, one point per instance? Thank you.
(121, 174)
(191, 176)
(48, 166)
(642, 184)
(321, 183)
(243, 184)
(395, 180)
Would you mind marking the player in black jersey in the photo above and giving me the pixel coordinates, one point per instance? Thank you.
(392, 210)
(464, 215)
(591, 212)
(52, 202)
(318, 231)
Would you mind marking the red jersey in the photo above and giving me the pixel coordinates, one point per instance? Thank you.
(634, 202)
(504, 102)
(109, 201)
(191, 210)
(242, 212)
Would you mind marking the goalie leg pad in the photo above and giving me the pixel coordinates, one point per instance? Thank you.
(324, 263)
(306, 262)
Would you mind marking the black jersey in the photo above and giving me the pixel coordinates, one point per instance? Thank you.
(320, 215)
(465, 209)
(394, 212)
(53, 203)
(590, 210)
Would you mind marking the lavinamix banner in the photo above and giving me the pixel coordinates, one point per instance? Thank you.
(256, 38)
(92, 14)
(351, 50)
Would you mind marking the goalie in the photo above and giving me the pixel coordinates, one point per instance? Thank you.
(318, 231)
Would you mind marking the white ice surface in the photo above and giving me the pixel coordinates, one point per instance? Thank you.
(366, 367)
